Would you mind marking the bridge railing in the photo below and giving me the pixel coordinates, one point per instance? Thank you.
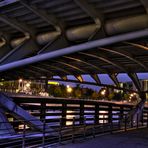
(70, 119)
(64, 133)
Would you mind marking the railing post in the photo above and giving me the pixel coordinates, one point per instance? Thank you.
(24, 135)
(121, 116)
(142, 118)
(103, 124)
(111, 127)
(147, 120)
(93, 130)
(81, 113)
(73, 129)
(137, 121)
(60, 130)
(110, 114)
(84, 127)
(64, 109)
(125, 124)
(44, 130)
(131, 121)
(43, 111)
(96, 119)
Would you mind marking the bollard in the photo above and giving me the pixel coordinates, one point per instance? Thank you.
(137, 121)
(43, 138)
(24, 135)
(73, 130)
(60, 131)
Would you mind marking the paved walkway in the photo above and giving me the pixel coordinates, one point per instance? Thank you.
(131, 139)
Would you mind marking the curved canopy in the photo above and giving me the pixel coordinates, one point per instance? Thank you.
(41, 39)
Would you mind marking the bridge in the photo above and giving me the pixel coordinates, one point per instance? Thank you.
(41, 39)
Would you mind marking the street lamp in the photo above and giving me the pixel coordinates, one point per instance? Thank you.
(69, 89)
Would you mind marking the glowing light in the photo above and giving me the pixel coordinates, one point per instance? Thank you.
(20, 80)
(53, 83)
(103, 92)
(28, 85)
(69, 89)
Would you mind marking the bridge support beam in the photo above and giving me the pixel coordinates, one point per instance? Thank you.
(5, 127)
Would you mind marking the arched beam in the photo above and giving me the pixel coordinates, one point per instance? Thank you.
(73, 49)
(127, 55)
(71, 66)
(137, 45)
(41, 69)
(86, 63)
(105, 59)
(136, 81)
(55, 67)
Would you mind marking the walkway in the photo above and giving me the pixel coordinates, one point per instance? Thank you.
(131, 139)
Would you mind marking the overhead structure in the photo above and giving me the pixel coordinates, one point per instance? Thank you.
(42, 39)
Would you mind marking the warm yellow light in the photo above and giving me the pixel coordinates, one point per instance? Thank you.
(69, 89)
(20, 80)
(28, 85)
(53, 83)
(103, 92)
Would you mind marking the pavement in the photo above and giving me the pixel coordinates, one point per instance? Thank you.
(130, 139)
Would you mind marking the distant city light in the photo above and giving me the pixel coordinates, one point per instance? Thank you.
(20, 80)
(53, 83)
(103, 92)
(69, 89)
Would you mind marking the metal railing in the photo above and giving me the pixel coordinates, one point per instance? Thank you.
(63, 133)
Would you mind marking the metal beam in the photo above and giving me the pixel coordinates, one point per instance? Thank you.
(7, 2)
(137, 45)
(79, 78)
(23, 50)
(71, 66)
(86, 63)
(77, 48)
(127, 55)
(96, 15)
(57, 68)
(136, 81)
(64, 78)
(145, 4)
(50, 19)
(113, 77)
(96, 78)
(17, 25)
(105, 59)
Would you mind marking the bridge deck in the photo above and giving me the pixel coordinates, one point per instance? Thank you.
(131, 139)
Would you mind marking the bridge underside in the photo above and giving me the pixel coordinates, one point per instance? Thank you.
(41, 39)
